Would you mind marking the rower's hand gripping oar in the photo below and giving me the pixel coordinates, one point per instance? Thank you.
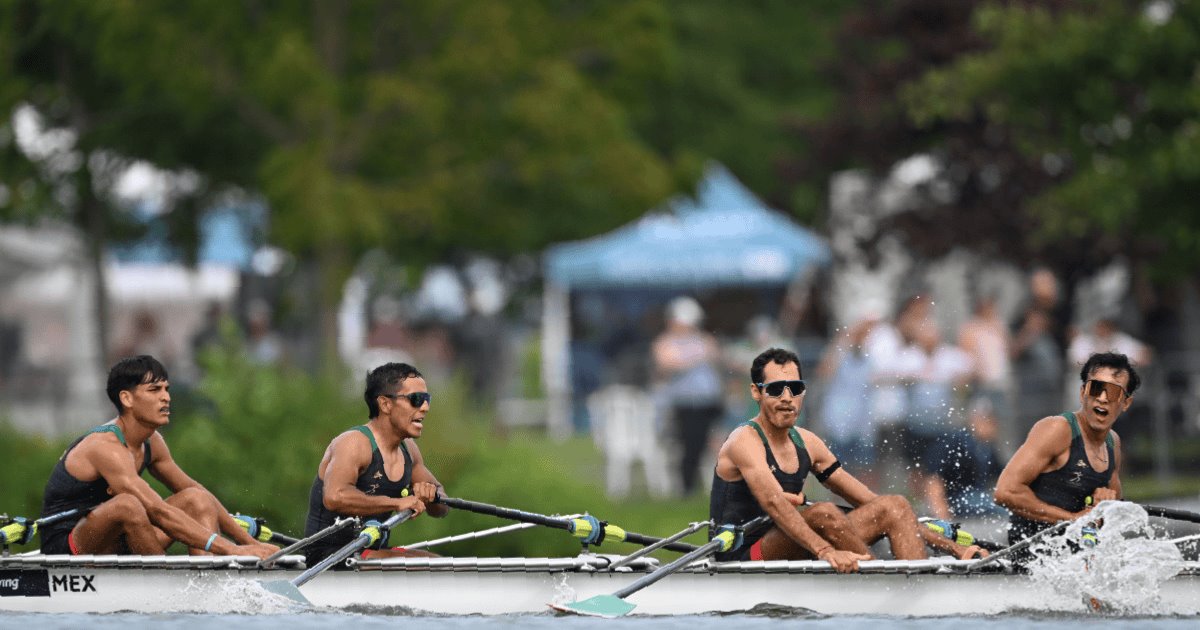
(370, 534)
(590, 530)
(20, 530)
(729, 538)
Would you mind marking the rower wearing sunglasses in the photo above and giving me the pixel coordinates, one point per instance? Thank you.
(374, 469)
(761, 469)
(1070, 457)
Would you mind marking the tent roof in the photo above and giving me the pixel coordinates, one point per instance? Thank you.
(725, 237)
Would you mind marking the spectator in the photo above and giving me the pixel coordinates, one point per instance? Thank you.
(986, 340)
(964, 475)
(1037, 356)
(845, 371)
(685, 362)
(937, 370)
(263, 344)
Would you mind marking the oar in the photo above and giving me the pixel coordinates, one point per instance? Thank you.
(368, 536)
(1011, 549)
(614, 605)
(1172, 513)
(338, 526)
(258, 530)
(592, 531)
(22, 530)
(956, 533)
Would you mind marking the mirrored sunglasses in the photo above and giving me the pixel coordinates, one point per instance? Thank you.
(1115, 392)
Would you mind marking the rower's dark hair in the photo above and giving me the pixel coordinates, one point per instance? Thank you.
(386, 379)
(772, 355)
(130, 372)
(1114, 360)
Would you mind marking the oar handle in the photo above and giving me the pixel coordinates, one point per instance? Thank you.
(365, 538)
(22, 530)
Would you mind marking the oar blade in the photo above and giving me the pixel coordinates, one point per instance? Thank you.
(286, 589)
(607, 606)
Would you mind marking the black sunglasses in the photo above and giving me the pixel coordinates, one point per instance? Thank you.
(774, 389)
(416, 399)
(1115, 392)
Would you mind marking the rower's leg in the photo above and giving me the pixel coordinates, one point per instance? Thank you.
(828, 521)
(123, 515)
(891, 516)
(201, 506)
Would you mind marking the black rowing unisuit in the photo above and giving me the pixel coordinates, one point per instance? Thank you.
(373, 480)
(1067, 487)
(65, 492)
(732, 502)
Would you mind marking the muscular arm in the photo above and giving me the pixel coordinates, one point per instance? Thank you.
(116, 466)
(841, 482)
(425, 486)
(747, 454)
(1047, 441)
(1113, 490)
(349, 454)
(164, 469)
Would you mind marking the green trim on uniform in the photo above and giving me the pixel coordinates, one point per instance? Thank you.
(1076, 432)
(792, 433)
(111, 428)
(365, 430)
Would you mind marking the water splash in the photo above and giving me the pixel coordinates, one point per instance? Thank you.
(564, 593)
(1120, 574)
(220, 594)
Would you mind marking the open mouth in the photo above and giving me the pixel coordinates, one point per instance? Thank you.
(1100, 412)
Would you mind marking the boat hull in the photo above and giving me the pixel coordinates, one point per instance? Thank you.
(512, 586)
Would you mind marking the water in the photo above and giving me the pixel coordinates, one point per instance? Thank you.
(765, 619)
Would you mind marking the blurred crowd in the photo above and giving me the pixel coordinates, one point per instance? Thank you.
(906, 405)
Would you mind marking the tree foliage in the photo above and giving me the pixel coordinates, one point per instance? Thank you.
(1099, 105)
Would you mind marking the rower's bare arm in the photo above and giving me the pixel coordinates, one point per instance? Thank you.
(426, 487)
(1113, 491)
(1047, 440)
(165, 469)
(749, 456)
(116, 467)
(349, 454)
(841, 482)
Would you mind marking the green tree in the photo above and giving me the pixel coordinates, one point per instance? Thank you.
(1101, 100)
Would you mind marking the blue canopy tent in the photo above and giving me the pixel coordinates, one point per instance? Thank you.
(725, 237)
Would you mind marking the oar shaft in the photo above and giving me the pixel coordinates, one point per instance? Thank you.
(550, 521)
(509, 513)
(1011, 549)
(350, 548)
(300, 544)
(651, 548)
(702, 551)
(1172, 513)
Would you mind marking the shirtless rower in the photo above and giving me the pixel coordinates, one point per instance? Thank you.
(761, 469)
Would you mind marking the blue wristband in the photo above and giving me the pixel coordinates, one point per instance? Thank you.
(208, 545)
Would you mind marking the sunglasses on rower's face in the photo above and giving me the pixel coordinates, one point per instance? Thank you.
(774, 389)
(1115, 392)
(416, 399)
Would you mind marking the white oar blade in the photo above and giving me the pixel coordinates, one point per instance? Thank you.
(286, 589)
(608, 606)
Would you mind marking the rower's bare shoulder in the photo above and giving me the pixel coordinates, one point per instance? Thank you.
(1050, 432)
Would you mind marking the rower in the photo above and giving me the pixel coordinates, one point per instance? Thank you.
(376, 468)
(761, 469)
(102, 472)
(1073, 456)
